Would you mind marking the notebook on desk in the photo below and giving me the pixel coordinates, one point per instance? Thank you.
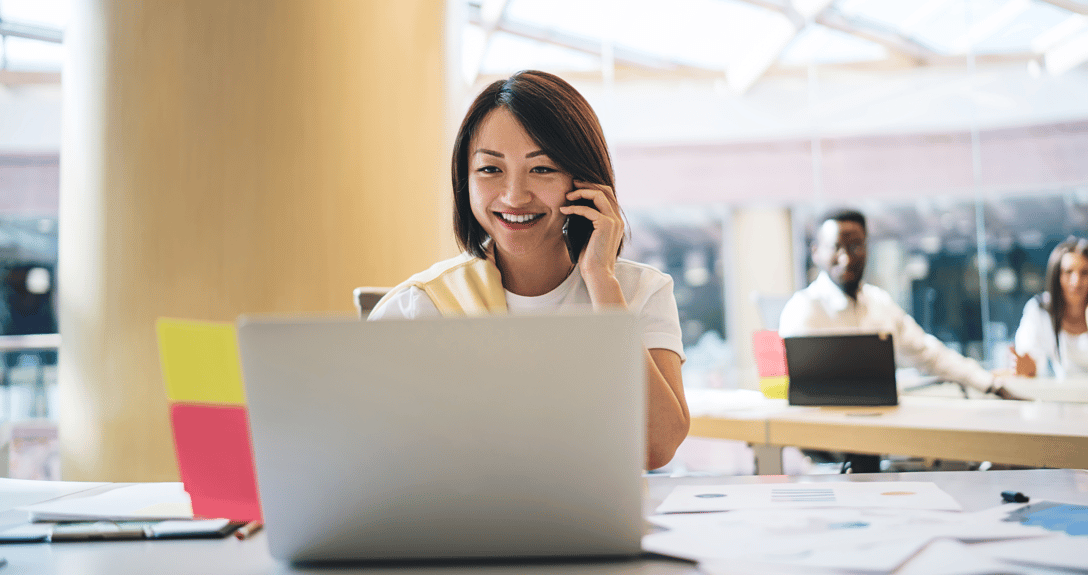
(841, 370)
(501, 436)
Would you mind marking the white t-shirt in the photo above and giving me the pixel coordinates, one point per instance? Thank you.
(823, 308)
(1035, 336)
(648, 293)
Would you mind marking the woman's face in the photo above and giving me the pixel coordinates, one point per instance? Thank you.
(515, 190)
(1074, 278)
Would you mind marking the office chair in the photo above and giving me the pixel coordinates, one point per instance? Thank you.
(367, 297)
(770, 308)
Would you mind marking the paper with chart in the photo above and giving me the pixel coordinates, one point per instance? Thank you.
(848, 538)
(876, 494)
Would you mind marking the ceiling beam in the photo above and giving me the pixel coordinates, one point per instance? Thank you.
(579, 44)
(19, 78)
(783, 7)
(877, 34)
(489, 13)
(31, 32)
(832, 18)
(1069, 5)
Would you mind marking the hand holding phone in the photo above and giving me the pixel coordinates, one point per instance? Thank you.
(576, 231)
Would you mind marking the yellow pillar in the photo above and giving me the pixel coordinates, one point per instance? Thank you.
(234, 157)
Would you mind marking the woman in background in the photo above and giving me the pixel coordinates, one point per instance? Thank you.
(1054, 329)
(529, 156)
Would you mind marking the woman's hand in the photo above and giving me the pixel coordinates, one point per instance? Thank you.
(1025, 365)
(598, 262)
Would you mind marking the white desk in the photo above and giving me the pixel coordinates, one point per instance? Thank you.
(1073, 390)
(1012, 432)
(974, 490)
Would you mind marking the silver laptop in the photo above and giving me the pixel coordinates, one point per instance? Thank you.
(501, 436)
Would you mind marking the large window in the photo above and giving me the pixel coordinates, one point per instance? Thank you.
(966, 281)
(31, 57)
(959, 127)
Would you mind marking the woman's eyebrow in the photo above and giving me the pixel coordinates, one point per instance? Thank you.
(500, 155)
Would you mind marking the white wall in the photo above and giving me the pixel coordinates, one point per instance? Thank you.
(30, 119)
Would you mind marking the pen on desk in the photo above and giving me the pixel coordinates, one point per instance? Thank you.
(1013, 497)
(247, 530)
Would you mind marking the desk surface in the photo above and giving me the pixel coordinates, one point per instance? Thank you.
(975, 490)
(1012, 432)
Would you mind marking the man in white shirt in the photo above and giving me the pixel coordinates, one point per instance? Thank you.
(838, 301)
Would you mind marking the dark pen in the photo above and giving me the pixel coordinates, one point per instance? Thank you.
(1013, 497)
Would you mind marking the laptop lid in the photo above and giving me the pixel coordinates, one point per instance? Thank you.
(844, 370)
(499, 436)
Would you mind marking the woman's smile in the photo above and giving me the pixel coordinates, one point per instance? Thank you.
(518, 221)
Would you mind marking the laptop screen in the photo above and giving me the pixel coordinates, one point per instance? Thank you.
(841, 370)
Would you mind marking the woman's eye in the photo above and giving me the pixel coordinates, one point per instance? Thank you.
(544, 170)
(488, 169)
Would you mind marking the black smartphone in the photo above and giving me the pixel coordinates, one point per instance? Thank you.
(576, 231)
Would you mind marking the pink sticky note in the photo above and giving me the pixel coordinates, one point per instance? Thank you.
(770, 353)
(215, 459)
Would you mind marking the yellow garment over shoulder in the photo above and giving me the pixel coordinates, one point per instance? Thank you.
(464, 285)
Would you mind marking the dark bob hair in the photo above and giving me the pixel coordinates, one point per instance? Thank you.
(1053, 300)
(555, 116)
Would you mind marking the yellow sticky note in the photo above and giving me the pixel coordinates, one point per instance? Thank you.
(200, 361)
(775, 387)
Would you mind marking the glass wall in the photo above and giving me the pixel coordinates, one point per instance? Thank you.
(928, 255)
(31, 58)
(959, 128)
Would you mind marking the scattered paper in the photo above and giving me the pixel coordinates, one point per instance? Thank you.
(115, 502)
(946, 557)
(1055, 551)
(877, 494)
(857, 539)
(21, 492)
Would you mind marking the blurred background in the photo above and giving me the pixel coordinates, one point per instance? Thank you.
(959, 127)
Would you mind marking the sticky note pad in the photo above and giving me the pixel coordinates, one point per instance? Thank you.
(216, 463)
(200, 361)
(776, 387)
(770, 352)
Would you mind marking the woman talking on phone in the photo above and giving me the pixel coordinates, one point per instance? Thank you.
(536, 214)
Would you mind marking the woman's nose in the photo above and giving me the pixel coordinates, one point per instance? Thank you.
(515, 192)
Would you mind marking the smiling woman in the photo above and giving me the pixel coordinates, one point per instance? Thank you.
(535, 210)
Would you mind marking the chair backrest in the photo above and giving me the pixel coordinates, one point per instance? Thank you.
(770, 308)
(367, 297)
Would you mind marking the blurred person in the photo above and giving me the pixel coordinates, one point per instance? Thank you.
(1052, 338)
(840, 302)
(530, 165)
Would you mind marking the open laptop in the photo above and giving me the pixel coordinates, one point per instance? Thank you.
(844, 370)
(500, 436)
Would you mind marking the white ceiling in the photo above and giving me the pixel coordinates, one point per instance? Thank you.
(728, 70)
(744, 40)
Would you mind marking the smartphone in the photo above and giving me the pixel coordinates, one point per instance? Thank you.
(576, 231)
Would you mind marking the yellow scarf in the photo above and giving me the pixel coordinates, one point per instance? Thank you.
(464, 285)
